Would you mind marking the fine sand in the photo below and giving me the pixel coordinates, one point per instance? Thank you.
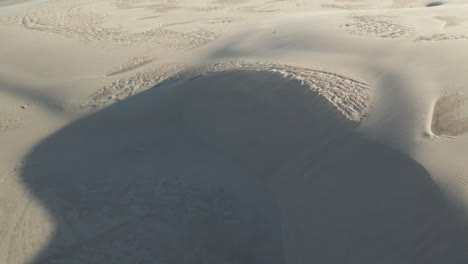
(240, 132)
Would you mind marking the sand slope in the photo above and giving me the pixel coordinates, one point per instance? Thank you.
(128, 176)
(233, 132)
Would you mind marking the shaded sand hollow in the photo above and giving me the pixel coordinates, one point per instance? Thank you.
(194, 181)
(233, 132)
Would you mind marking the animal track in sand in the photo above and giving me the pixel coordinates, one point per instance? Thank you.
(225, 20)
(131, 65)
(258, 9)
(128, 86)
(228, 2)
(345, 6)
(64, 17)
(22, 229)
(450, 115)
(5, 21)
(442, 37)
(12, 201)
(8, 123)
(31, 233)
(378, 26)
(154, 5)
(143, 3)
(78, 21)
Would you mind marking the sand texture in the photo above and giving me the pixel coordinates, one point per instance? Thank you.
(233, 132)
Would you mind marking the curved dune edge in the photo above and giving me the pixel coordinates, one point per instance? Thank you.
(244, 165)
(351, 97)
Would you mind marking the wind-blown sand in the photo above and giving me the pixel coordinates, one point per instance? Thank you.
(233, 132)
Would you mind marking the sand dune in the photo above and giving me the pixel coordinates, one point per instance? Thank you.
(153, 131)
(129, 175)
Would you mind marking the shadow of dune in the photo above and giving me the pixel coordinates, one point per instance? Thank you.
(239, 166)
(48, 101)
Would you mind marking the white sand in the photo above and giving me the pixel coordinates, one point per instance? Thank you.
(216, 131)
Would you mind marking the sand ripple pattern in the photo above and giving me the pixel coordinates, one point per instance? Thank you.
(129, 86)
(350, 97)
(378, 26)
(345, 6)
(442, 37)
(78, 21)
(8, 123)
(156, 5)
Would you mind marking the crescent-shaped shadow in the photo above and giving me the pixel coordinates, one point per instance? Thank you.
(239, 166)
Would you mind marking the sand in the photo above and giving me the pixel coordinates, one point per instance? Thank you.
(257, 131)
(450, 115)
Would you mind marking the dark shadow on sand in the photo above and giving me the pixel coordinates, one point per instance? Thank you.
(231, 168)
